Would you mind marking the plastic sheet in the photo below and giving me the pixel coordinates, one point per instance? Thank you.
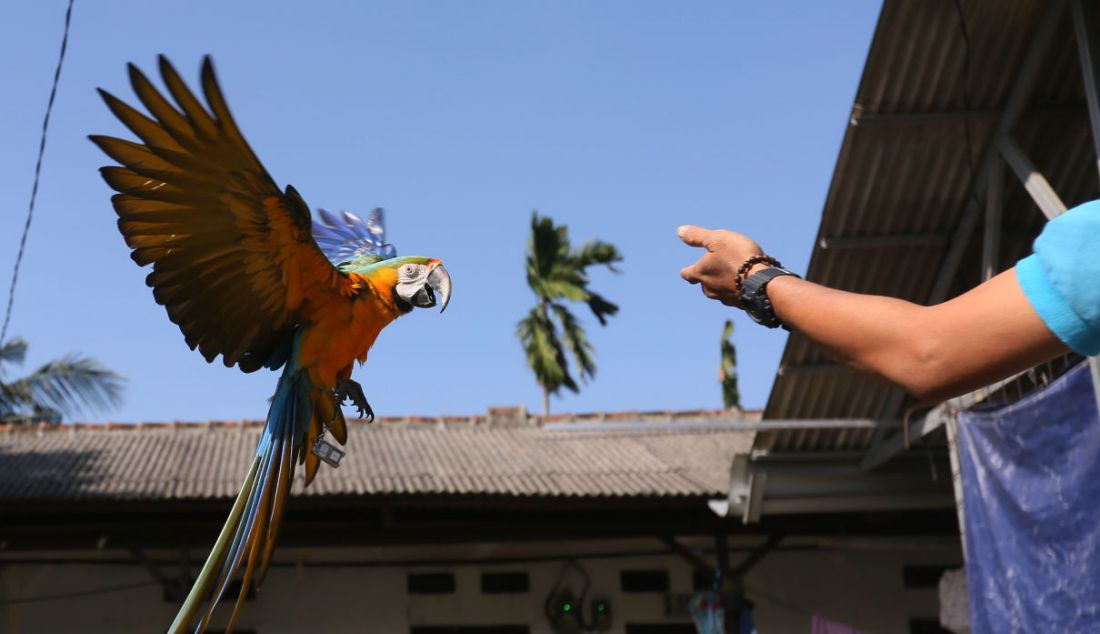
(1031, 489)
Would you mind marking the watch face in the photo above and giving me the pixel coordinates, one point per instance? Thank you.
(754, 296)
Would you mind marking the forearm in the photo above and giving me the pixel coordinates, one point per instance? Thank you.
(878, 335)
(933, 352)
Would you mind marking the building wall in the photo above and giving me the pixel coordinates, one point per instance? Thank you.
(364, 590)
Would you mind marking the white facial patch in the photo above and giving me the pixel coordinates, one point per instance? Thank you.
(410, 279)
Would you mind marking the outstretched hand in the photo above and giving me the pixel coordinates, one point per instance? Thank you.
(716, 270)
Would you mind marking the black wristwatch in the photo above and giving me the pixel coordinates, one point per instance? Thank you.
(754, 296)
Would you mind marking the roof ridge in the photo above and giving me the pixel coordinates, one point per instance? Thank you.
(642, 416)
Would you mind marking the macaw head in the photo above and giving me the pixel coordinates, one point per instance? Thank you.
(416, 281)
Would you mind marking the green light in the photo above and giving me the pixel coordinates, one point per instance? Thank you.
(567, 607)
(601, 607)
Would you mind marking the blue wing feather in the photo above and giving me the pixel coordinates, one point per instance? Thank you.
(346, 237)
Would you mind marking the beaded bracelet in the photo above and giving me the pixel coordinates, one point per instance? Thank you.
(743, 270)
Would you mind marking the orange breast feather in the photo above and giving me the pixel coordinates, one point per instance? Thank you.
(343, 330)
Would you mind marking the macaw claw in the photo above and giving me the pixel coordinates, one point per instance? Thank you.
(348, 390)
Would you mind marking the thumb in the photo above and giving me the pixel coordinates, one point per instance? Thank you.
(693, 236)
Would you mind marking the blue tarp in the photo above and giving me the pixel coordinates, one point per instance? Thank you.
(1031, 492)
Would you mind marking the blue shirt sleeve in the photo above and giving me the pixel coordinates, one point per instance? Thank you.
(1061, 278)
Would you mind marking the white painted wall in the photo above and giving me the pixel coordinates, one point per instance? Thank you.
(858, 583)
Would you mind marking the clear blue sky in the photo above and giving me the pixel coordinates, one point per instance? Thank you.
(621, 119)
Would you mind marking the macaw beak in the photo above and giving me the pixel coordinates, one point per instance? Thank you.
(439, 282)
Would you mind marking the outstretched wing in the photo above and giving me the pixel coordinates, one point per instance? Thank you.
(348, 237)
(233, 257)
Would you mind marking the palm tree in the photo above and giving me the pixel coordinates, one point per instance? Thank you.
(727, 370)
(557, 273)
(65, 386)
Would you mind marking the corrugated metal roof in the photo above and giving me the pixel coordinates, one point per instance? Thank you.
(195, 461)
(902, 171)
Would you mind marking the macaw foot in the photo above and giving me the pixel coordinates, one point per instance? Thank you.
(348, 390)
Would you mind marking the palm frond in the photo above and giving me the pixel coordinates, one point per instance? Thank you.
(13, 351)
(545, 354)
(601, 308)
(597, 252)
(69, 385)
(9, 403)
(554, 289)
(547, 246)
(577, 341)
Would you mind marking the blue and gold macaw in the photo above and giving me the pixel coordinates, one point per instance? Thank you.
(247, 274)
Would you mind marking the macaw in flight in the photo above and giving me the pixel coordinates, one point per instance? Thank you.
(247, 274)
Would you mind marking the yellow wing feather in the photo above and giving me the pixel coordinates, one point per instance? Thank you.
(233, 257)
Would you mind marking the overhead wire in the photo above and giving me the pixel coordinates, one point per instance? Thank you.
(80, 593)
(37, 174)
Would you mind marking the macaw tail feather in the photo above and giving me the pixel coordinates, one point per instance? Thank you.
(249, 535)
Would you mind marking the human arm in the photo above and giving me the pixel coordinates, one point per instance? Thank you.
(934, 352)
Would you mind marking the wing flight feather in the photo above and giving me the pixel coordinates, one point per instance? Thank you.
(233, 256)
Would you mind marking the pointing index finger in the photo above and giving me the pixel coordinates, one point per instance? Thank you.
(692, 235)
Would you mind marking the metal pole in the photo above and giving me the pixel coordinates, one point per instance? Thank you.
(991, 239)
(1084, 25)
(956, 477)
(1037, 185)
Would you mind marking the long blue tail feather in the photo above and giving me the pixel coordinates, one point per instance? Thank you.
(248, 537)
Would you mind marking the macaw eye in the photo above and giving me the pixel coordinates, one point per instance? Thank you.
(409, 270)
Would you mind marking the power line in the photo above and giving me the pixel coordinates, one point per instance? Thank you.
(81, 593)
(37, 172)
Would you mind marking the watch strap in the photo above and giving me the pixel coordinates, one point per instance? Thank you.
(754, 296)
